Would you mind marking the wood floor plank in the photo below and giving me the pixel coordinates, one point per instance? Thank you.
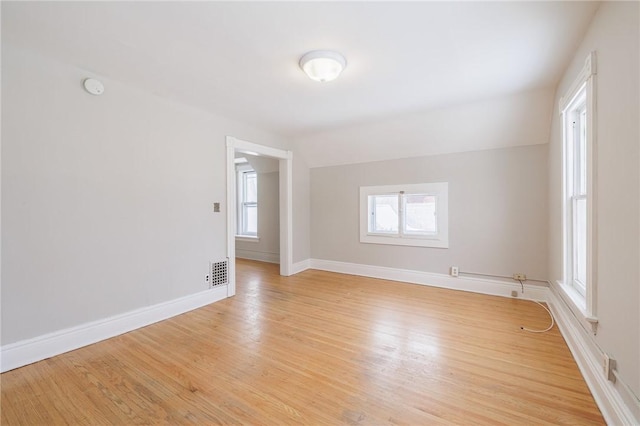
(316, 348)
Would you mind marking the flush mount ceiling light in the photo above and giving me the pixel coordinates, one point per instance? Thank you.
(322, 65)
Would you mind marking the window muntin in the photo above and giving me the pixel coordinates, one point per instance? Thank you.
(412, 214)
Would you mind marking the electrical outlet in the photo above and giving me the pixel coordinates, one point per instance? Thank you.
(609, 365)
(454, 271)
(514, 293)
(519, 277)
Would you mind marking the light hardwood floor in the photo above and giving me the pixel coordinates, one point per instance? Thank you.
(316, 348)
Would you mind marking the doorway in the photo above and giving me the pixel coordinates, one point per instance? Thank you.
(285, 166)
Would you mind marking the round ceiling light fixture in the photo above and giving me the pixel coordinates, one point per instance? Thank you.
(322, 65)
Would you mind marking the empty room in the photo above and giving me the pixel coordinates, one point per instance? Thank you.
(417, 213)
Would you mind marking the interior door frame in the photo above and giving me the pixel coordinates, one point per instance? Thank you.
(286, 204)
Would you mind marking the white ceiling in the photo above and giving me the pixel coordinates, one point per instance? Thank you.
(240, 60)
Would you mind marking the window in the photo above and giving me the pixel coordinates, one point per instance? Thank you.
(578, 114)
(409, 215)
(247, 203)
(576, 191)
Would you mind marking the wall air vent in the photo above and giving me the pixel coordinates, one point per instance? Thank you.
(219, 273)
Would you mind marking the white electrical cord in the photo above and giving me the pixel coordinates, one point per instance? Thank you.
(522, 290)
(615, 372)
(546, 329)
(545, 308)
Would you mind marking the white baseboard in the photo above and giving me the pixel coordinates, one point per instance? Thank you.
(476, 285)
(36, 349)
(261, 256)
(300, 266)
(618, 405)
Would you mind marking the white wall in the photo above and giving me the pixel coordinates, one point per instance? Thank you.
(267, 248)
(614, 36)
(106, 201)
(497, 200)
(515, 120)
(301, 210)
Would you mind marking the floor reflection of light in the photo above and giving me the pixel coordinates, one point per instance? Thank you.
(399, 347)
(388, 333)
(253, 312)
(383, 334)
(423, 344)
(400, 350)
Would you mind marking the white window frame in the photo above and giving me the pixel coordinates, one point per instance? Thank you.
(580, 95)
(574, 187)
(440, 239)
(241, 231)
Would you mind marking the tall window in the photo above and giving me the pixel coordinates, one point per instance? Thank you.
(248, 203)
(413, 215)
(578, 117)
(576, 191)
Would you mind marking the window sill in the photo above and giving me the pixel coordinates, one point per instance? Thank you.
(248, 238)
(414, 241)
(578, 305)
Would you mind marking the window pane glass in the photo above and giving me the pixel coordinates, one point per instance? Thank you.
(383, 213)
(419, 214)
(580, 243)
(251, 188)
(582, 161)
(251, 219)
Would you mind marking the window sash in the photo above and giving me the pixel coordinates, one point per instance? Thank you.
(399, 228)
(246, 223)
(579, 243)
(576, 184)
(428, 219)
(376, 216)
(368, 234)
(247, 200)
(250, 192)
(579, 150)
